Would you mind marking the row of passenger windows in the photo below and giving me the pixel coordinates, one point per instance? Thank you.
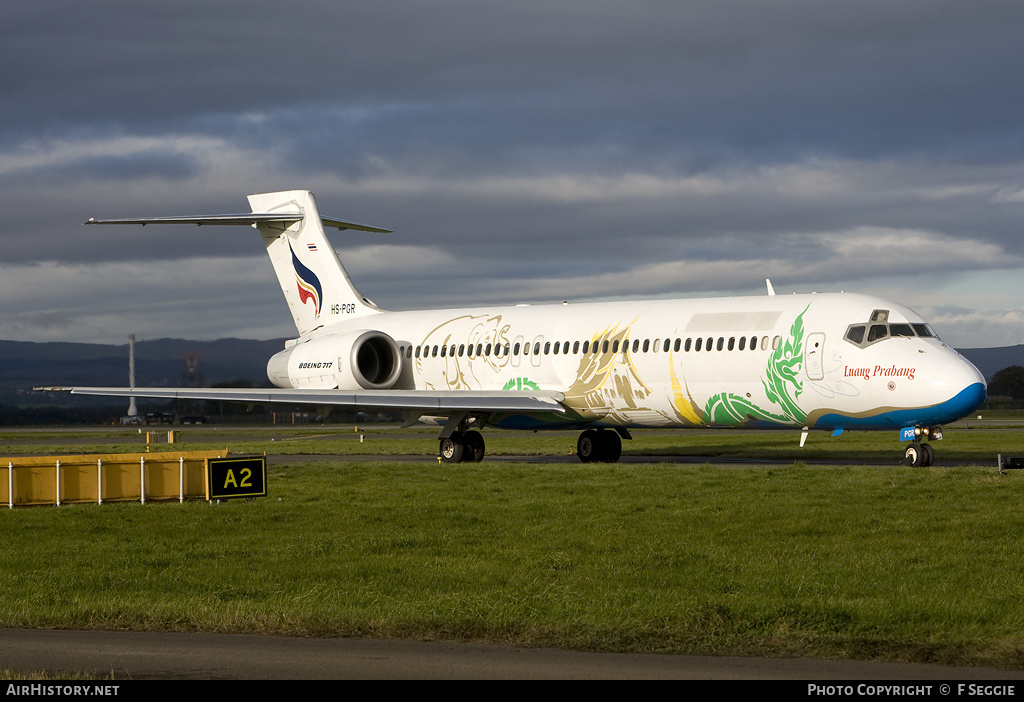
(710, 343)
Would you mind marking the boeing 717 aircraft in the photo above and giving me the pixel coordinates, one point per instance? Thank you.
(831, 362)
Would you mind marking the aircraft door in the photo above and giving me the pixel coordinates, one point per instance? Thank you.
(516, 349)
(536, 351)
(814, 354)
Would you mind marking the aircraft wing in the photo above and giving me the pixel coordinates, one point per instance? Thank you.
(425, 401)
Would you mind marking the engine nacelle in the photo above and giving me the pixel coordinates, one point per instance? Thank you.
(367, 360)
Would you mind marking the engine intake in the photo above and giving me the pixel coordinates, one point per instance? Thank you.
(363, 359)
(375, 361)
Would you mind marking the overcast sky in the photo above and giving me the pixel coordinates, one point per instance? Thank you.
(522, 152)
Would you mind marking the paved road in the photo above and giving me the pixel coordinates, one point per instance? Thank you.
(140, 656)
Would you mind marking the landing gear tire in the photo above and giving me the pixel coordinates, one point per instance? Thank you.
(587, 448)
(452, 448)
(919, 455)
(602, 446)
(611, 447)
(474, 447)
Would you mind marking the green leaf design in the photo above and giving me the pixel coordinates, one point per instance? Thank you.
(782, 386)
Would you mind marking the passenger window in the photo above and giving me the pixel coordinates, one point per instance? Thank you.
(721, 343)
(698, 345)
(575, 347)
(586, 346)
(565, 347)
(709, 343)
(547, 347)
(665, 346)
(604, 346)
(636, 345)
(615, 346)
(536, 349)
(686, 346)
(515, 349)
(676, 346)
(647, 345)
(775, 343)
(764, 343)
(743, 342)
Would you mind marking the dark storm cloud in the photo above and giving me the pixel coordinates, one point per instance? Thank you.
(515, 145)
(155, 163)
(746, 77)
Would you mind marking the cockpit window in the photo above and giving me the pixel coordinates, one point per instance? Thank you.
(877, 331)
(880, 328)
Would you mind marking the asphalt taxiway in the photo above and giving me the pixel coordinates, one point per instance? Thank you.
(203, 656)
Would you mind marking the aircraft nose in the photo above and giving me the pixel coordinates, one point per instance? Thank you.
(960, 386)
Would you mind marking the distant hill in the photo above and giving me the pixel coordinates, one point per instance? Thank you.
(989, 361)
(160, 362)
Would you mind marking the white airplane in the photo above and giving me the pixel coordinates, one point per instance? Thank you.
(829, 362)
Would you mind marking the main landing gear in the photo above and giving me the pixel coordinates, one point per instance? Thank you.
(599, 446)
(462, 447)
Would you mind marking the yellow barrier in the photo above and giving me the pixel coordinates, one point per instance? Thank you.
(47, 480)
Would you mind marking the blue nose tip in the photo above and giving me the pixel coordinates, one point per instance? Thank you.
(965, 401)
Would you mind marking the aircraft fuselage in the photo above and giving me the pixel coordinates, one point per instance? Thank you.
(781, 360)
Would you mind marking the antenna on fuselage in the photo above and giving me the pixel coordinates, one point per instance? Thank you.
(771, 290)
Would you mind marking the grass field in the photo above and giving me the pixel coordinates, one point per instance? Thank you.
(793, 558)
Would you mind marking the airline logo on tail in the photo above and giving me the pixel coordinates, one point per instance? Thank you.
(309, 284)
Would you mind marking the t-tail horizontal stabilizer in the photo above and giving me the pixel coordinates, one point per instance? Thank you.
(312, 278)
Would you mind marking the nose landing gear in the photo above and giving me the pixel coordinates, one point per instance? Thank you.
(919, 453)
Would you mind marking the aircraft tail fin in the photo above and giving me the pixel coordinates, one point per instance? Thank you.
(313, 280)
